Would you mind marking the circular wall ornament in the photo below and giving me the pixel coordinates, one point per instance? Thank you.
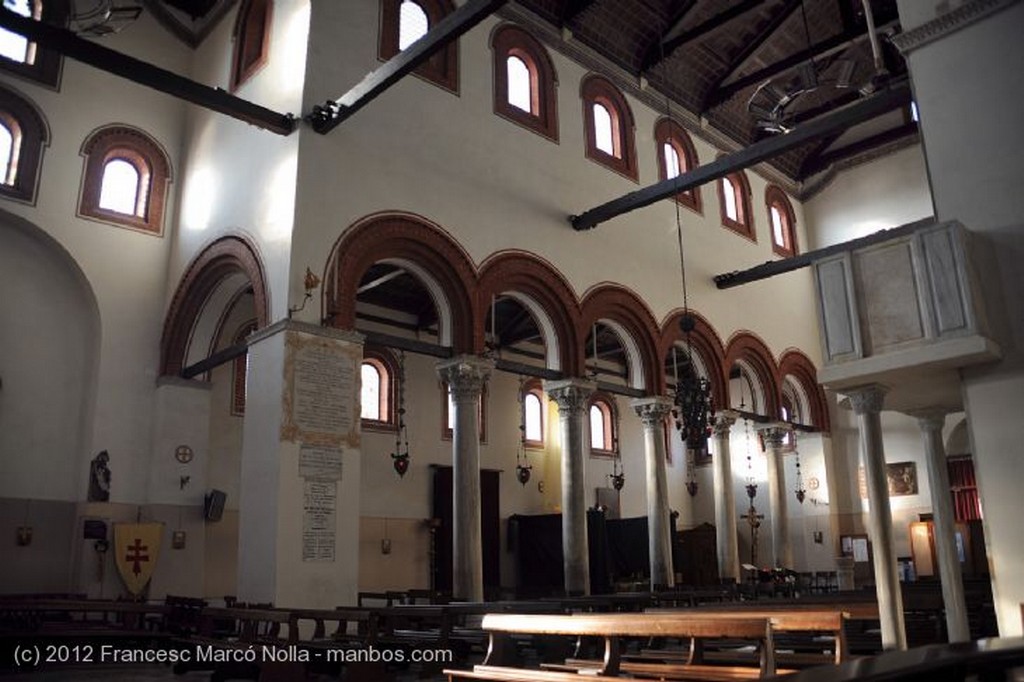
(813, 483)
(183, 454)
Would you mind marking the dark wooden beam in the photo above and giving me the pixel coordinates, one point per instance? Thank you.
(216, 360)
(821, 50)
(667, 47)
(328, 116)
(410, 345)
(886, 100)
(574, 8)
(771, 268)
(88, 52)
(753, 45)
(823, 160)
(823, 144)
(653, 55)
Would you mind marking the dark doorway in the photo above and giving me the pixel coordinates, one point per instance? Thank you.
(490, 529)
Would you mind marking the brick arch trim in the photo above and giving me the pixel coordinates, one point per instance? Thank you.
(401, 236)
(523, 272)
(223, 257)
(619, 304)
(747, 346)
(796, 364)
(707, 344)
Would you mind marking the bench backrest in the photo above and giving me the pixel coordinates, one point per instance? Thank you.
(629, 625)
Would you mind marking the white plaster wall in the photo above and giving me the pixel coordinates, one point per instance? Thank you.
(884, 193)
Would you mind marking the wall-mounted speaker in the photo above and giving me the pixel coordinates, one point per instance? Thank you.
(213, 507)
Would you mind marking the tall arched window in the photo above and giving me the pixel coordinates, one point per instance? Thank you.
(403, 22)
(379, 375)
(604, 441)
(533, 414)
(782, 220)
(25, 58)
(252, 40)
(676, 155)
(240, 369)
(23, 135)
(524, 81)
(369, 392)
(734, 200)
(608, 123)
(126, 178)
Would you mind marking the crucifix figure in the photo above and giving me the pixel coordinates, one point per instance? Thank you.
(754, 519)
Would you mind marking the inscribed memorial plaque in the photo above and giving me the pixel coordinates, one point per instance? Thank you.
(320, 501)
(320, 462)
(320, 392)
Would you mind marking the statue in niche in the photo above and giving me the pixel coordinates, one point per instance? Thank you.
(99, 478)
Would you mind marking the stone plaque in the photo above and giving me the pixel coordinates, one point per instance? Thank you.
(320, 391)
(320, 501)
(321, 462)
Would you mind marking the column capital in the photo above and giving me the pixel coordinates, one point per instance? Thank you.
(930, 419)
(774, 434)
(465, 375)
(652, 410)
(724, 420)
(867, 399)
(571, 395)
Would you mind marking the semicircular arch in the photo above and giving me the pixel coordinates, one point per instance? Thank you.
(746, 347)
(630, 316)
(708, 346)
(794, 363)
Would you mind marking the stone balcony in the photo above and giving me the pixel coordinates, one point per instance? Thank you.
(905, 312)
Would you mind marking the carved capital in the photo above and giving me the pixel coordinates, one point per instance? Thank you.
(867, 399)
(723, 422)
(930, 420)
(652, 411)
(465, 376)
(774, 436)
(571, 395)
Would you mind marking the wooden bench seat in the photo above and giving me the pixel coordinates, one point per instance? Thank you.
(501, 660)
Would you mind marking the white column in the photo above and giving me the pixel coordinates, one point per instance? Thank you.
(782, 548)
(725, 502)
(571, 396)
(931, 423)
(867, 402)
(652, 412)
(466, 376)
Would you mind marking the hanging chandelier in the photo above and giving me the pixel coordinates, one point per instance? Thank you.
(400, 457)
(617, 477)
(523, 465)
(800, 491)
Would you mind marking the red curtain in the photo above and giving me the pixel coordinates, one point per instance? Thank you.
(966, 504)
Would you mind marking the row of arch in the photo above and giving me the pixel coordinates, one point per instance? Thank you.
(462, 294)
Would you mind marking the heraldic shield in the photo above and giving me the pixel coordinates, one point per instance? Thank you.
(136, 549)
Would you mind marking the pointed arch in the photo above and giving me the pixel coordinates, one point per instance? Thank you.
(627, 311)
(224, 257)
(419, 245)
(518, 272)
(707, 344)
(747, 347)
(794, 363)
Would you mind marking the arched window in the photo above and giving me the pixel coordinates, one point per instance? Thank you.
(676, 155)
(608, 123)
(524, 81)
(734, 200)
(403, 22)
(379, 375)
(24, 58)
(239, 370)
(533, 414)
(448, 418)
(252, 40)
(604, 440)
(23, 134)
(782, 220)
(126, 178)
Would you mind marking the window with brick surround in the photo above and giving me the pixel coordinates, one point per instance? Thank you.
(533, 414)
(608, 126)
(24, 134)
(401, 23)
(24, 58)
(252, 40)
(734, 202)
(379, 374)
(524, 81)
(114, 157)
(239, 368)
(676, 155)
(604, 427)
(782, 221)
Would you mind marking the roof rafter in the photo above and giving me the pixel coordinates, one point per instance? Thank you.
(665, 49)
(574, 8)
(752, 46)
(822, 161)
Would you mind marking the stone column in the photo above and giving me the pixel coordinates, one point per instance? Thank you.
(725, 501)
(652, 412)
(571, 396)
(466, 376)
(782, 548)
(867, 402)
(931, 423)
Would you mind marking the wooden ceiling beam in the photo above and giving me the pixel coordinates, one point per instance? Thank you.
(823, 160)
(573, 8)
(752, 46)
(665, 48)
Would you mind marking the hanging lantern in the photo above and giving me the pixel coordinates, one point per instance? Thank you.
(618, 477)
(400, 457)
(523, 465)
(800, 492)
(693, 412)
(691, 477)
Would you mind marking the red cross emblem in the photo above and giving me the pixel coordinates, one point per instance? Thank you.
(138, 548)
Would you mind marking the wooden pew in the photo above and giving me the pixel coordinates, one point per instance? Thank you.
(611, 628)
(81, 618)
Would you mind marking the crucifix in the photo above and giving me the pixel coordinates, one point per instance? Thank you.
(754, 519)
